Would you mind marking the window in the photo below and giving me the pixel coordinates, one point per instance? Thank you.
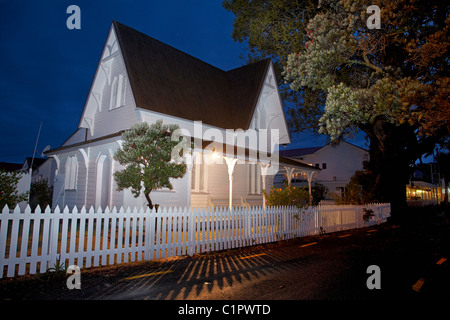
(70, 182)
(117, 92)
(324, 165)
(341, 192)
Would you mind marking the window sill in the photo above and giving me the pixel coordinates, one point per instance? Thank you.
(165, 191)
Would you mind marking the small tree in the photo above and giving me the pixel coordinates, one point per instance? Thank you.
(359, 190)
(8, 189)
(40, 194)
(146, 154)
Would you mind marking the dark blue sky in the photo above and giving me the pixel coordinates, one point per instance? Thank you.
(47, 69)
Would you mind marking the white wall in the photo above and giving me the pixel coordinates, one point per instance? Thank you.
(342, 160)
(96, 185)
(100, 117)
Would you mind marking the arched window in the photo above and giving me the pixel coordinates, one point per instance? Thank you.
(117, 92)
(103, 177)
(70, 182)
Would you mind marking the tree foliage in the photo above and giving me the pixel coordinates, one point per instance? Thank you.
(398, 73)
(9, 194)
(146, 153)
(391, 83)
(359, 190)
(40, 194)
(274, 29)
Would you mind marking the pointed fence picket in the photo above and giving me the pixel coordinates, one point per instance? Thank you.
(34, 242)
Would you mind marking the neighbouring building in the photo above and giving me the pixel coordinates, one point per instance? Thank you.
(425, 186)
(337, 161)
(41, 169)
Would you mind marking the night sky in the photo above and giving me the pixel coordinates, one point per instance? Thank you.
(47, 69)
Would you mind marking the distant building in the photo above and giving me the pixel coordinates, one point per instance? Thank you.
(42, 169)
(425, 186)
(337, 161)
(10, 167)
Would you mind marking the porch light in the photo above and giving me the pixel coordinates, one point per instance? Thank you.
(215, 155)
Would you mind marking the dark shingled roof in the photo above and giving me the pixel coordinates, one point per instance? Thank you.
(169, 81)
(9, 167)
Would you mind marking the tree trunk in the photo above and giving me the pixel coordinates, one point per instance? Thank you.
(147, 196)
(389, 163)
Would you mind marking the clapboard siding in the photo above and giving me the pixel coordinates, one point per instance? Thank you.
(108, 121)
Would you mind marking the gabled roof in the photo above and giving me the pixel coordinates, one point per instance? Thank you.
(166, 80)
(37, 162)
(306, 151)
(299, 152)
(9, 167)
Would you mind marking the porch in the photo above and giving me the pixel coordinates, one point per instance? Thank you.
(227, 180)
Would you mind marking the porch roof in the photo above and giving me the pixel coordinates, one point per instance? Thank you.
(252, 155)
(294, 163)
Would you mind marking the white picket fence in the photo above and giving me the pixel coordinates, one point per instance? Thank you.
(33, 242)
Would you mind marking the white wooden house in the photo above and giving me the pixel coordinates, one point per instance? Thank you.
(140, 79)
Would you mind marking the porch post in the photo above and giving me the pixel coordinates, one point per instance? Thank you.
(264, 168)
(231, 162)
(190, 159)
(309, 175)
(289, 172)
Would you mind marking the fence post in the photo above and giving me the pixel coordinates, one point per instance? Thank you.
(53, 236)
(3, 233)
(112, 243)
(73, 217)
(34, 241)
(190, 231)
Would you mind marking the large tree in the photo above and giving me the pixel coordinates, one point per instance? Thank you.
(147, 155)
(391, 83)
(274, 29)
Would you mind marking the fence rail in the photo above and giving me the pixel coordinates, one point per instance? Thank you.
(33, 242)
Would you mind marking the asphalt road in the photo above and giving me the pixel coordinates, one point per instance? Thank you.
(412, 262)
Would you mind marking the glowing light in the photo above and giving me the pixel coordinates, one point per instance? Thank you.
(215, 155)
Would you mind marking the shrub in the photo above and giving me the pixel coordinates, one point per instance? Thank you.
(8, 189)
(289, 196)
